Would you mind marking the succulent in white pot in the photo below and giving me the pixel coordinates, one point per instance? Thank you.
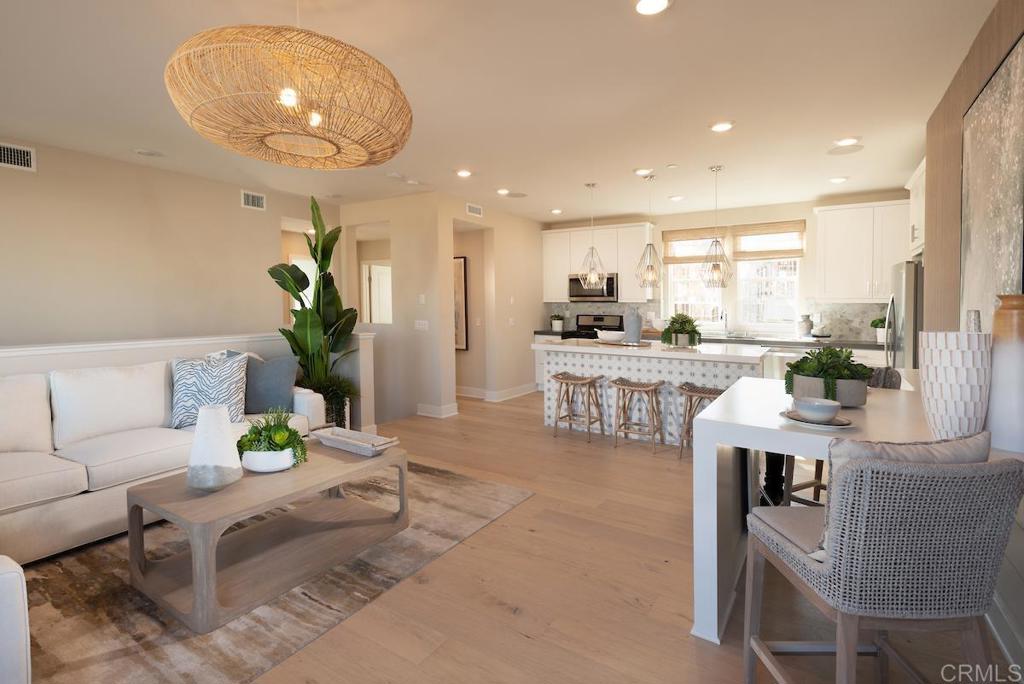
(829, 373)
(271, 444)
(880, 330)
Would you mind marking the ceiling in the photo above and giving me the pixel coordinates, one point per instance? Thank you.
(538, 96)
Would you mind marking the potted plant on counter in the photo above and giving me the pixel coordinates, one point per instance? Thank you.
(557, 322)
(880, 330)
(681, 331)
(271, 444)
(829, 373)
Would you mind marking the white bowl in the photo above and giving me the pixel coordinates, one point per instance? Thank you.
(611, 335)
(268, 461)
(816, 410)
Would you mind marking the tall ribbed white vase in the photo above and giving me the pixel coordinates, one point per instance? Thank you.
(213, 462)
(956, 374)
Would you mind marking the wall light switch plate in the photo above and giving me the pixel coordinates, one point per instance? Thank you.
(511, 322)
(476, 322)
(511, 300)
(423, 299)
(423, 325)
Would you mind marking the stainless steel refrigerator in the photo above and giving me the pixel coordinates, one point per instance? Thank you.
(904, 317)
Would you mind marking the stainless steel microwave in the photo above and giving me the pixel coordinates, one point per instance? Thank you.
(609, 293)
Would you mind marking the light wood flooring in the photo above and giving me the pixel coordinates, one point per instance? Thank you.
(588, 581)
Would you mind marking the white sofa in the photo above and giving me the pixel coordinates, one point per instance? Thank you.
(72, 441)
(15, 656)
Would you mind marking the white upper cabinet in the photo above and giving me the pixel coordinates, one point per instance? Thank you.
(556, 266)
(857, 245)
(916, 186)
(620, 249)
(632, 240)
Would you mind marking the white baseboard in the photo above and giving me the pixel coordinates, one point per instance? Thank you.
(510, 393)
(471, 392)
(434, 411)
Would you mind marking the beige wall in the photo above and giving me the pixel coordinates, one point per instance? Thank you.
(471, 364)
(96, 249)
(415, 369)
(374, 250)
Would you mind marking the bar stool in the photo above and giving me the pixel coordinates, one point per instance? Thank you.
(566, 391)
(625, 392)
(693, 397)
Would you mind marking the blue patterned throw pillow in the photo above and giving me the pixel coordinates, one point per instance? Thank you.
(206, 381)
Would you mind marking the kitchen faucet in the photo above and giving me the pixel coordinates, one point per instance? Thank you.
(724, 317)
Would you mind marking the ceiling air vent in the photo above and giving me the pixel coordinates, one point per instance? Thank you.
(17, 157)
(254, 200)
(474, 210)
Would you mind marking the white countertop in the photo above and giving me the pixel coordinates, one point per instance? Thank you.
(727, 353)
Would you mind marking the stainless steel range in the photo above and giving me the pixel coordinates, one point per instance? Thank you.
(587, 326)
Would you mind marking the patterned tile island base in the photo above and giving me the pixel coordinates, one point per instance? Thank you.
(712, 366)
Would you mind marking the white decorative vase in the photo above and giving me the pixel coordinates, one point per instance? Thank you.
(1006, 402)
(556, 324)
(956, 373)
(805, 325)
(213, 463)
(268, 461)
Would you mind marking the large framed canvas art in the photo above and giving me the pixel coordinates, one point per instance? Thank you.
(992, 236)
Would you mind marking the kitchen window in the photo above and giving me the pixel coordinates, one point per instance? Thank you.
(763, 293)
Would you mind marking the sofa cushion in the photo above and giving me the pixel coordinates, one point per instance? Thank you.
(97, 401)
(28, 478)
(126, 456)
(206, 381)
(25, 414)
(269, 383)
(298, 422)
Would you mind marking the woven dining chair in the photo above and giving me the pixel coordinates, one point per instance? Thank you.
(913, 547)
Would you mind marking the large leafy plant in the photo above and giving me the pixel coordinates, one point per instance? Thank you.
(829, 364)
(272, 433)
(322, 326)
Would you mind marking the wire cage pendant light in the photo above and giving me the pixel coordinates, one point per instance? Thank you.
(648, 269)
(592, 275)
(716, 271)
(289, 96)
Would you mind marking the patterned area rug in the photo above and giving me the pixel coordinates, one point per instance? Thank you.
(89, 625)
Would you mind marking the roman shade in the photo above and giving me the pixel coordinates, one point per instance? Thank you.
(749, 242)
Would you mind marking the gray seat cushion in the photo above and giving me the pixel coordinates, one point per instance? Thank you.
(126, 456)
(269, 383)
(800, 525)
(28, 478)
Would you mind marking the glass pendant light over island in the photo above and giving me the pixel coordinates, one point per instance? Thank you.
(716, 269)
(592, 275)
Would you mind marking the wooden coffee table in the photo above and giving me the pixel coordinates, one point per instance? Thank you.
(223, 577)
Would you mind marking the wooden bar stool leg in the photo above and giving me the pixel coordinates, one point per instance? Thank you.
(616, 421)
(586, 400)
(558, 406)
(600, 408)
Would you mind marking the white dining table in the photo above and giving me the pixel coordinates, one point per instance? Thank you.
(744, 418)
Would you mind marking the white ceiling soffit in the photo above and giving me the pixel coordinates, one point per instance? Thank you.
(533, 95)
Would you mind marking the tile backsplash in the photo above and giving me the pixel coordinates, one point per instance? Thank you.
(843, 321)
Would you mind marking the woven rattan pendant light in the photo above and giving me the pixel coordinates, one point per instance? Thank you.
(592, 275)
(289, 96)
(716, 269)
(648, 269)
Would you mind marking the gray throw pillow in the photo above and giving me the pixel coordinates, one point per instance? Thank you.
(269, 383)
(207, 381)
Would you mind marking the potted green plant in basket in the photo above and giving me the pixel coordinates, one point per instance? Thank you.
(681, 331)
(880, 330)
(557, 322)
(271, 444)
(829, 373)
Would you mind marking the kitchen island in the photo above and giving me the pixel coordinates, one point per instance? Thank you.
(709, 365)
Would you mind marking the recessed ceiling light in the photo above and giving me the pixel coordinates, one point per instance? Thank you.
(503, 191)
(838, 179)
(649, 7)
(722, 126)
(847, 142)
(556, 212)
(643, 172)
(315, 119)
(671, 166)
(463, 173)
(676, 198)
(288, 97)
(148, 153)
